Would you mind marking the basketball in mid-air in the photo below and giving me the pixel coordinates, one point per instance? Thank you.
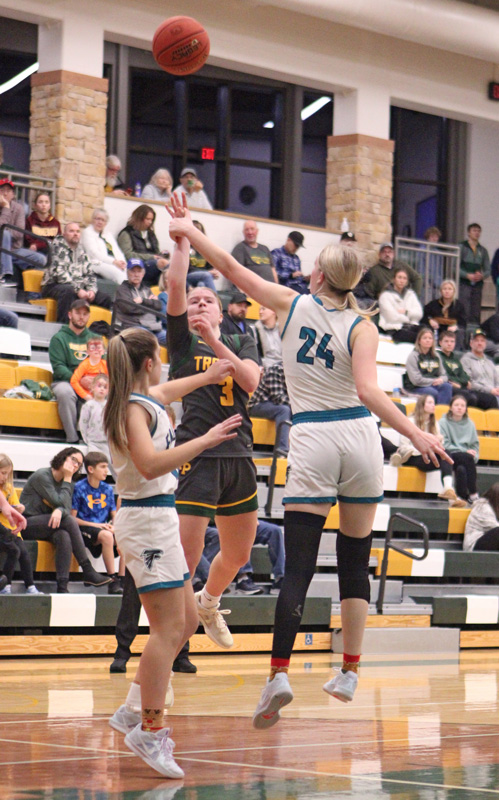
(181, 45)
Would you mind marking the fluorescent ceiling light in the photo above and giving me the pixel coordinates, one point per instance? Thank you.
(18, 78)
(308, 111)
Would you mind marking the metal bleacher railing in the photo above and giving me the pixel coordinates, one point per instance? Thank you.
(433, 261)
(27, 186)
(390, 546)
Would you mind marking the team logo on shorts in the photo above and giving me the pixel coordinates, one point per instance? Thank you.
(150, 556)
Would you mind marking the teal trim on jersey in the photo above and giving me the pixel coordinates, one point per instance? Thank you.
(154, 501)
(154, 422)
(354, 323)
(161, 585)
(293, 304)
(360, 499)
(147, 397)
(309, 500)
(331, 415)
(320, 303)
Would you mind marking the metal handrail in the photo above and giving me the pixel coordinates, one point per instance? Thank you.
(389, 546)
(434, 261)
(27, 183)
(273, 468)
(11, 252)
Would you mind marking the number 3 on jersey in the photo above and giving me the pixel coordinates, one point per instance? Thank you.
(227, 397)
(310, 336)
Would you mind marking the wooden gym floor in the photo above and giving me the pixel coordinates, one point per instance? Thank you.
(420, 727)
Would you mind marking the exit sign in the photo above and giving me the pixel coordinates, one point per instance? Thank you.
(208, 153)
(494, 91)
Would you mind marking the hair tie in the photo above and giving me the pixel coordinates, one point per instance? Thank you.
(122, 338)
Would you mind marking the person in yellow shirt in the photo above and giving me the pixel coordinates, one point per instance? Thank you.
(11, 524)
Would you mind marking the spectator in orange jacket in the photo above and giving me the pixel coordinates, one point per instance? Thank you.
(93, 365)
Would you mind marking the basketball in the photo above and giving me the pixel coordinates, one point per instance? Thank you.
(181, 45)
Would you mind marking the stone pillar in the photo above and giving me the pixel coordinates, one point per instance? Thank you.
(359, 187)
(68, 139)
(360, 165)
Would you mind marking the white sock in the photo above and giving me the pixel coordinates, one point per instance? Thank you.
(208, 600)
(448, 482)
(133, 701)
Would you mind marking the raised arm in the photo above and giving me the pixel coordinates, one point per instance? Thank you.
(272, 295)
(364, 343)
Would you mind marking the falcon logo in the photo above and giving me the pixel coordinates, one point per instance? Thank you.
(150, 557)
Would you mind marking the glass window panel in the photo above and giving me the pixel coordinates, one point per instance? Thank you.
(202, 107)
(313, 199)
(142, 165)
(251, 110)
(419, 140)
(249, 191)
(417, 209)
(315, 130)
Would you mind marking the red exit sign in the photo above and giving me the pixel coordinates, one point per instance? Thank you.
(494, 91)
(208, 153)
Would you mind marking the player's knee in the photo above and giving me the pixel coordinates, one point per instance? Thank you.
(106, 538)
(353, 566)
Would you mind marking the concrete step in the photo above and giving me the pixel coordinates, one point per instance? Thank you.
(380, 641)
(326, 585)
(423, 592)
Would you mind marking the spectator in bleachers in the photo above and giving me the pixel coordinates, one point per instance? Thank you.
(138, 240)
(270, 400)
(52, 488)
(41, 222)
(67, 349)
(347, 239)
(113, 182)
(461, 442)
(159, 187)
(482, 526)
(91, 419)
(11, 542)
(266, 534)
(447, 313)
(94, 509)
(134, 304)
(103, 250)
(288, 265)
(191, 188)
(474, 267)
(8, 319)
(425, 373)
(399, 308)
(424, 418)
(491, 328)
(494, 272)
(234, 319)
(482, 370)
(94, 364)
(200, 272)
(253, 255)
(12, 213)
(434, 261)
(70, 275)
(381, 273)
(458, 376)
(268, 338)
(163, 296)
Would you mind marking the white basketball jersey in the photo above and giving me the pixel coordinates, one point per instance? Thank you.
(317, 357)
(131, 485)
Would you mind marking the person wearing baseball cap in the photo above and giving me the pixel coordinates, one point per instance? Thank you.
(234, 319)
(481, 370)
(381, 274)
(20, 258)
(347, 239)
(288, 264)
(191, 187)
(134, 303)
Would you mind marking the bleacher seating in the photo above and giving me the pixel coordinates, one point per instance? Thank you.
(32, 282)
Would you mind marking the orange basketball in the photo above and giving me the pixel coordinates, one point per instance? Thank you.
(181, 45)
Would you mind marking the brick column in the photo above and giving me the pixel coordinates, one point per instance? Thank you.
(359, 187)
(68, 139)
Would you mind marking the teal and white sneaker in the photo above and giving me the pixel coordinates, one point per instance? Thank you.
(342, 686)
(156, 749)
(276, 694)
(123, 720)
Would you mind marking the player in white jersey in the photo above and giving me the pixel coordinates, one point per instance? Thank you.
(141, 440)
(329, 353)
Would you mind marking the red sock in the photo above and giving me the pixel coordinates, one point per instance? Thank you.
(278, 665)
(350, 663)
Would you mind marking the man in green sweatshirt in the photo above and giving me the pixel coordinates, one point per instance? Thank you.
(67, 349)
(459, 378)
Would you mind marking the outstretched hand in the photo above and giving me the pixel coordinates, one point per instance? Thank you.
(219, 370)
(223, 431)
(178, 211)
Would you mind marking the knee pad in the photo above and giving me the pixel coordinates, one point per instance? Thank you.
(353, 566)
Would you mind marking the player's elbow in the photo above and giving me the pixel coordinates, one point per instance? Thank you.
(365, 391)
